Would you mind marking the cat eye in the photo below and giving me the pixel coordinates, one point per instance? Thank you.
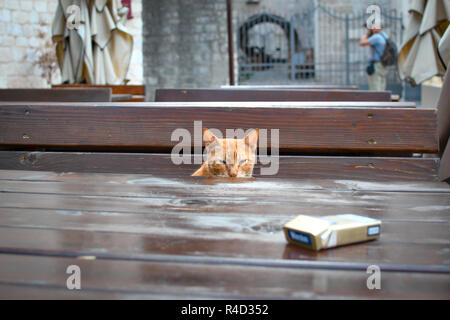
(242, 162)
(220, 162)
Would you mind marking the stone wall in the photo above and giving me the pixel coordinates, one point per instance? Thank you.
(185, 44)
(21, 23)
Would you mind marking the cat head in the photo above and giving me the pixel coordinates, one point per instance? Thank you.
(230, 157)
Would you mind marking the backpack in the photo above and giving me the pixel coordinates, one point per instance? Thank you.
(390, 53)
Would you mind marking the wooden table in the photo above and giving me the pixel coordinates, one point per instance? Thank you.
(163, 234)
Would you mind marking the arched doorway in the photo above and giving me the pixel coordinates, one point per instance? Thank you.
(268, 43)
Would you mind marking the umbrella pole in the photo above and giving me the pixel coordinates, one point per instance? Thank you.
(230, 43)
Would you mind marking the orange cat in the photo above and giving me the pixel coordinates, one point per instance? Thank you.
(229, 157)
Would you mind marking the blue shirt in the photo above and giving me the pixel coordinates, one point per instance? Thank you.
(378, 44)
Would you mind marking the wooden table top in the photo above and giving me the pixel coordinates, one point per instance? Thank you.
(173, 236)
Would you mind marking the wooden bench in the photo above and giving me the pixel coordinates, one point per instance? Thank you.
(60, 95)
(197, 95)
(309, 127)
(137, 92)
(82, 184)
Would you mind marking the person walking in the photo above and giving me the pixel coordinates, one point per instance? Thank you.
(377, 72)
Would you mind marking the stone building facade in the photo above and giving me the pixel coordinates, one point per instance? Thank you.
(177, 43)
(185, 43)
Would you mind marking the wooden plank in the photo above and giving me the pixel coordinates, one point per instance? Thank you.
(143, 184)
(307, 183)
(178, 218)
(60, 95)
(134, 93)
(248, 104)
(136, 90)
(197, 95)
(245, 262)
(106, 233)
(294, 167)
(293, 87)
(444, 168)
(15, 291)
(421, 207)
(121, 97)
(137, 99)
(252, 200)
(117, 127)
(216, 281)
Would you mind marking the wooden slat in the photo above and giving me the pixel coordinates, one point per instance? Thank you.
(167, 179)
(215, 281)
(143, 193)
(117, 233)
(137, 99)
(137, 90)
(197, 95)
(121, 97)
(17, 291)
(115, 126)
(60, 95)
(352, 168)
(293, 87)
(444, 168)
(312, 203)
(359, 168)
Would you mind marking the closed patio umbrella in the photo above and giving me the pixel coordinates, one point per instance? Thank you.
(98, 51)
(444, 48)
(418, 58)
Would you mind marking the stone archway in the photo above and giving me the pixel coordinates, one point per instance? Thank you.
(263, 53)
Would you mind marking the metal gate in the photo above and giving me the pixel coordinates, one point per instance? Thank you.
(313, 46)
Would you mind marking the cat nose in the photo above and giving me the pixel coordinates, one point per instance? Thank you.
(233, 173)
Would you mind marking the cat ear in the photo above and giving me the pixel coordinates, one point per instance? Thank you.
(208, 137)
(251, 139)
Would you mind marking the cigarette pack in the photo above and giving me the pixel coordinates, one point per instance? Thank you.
(318, 233)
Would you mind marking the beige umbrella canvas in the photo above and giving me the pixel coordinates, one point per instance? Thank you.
(444, 48)
(418, 58)
(98, 51)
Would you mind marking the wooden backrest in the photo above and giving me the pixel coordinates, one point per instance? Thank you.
(210, 95)
(59, 95)
(305, 127)
(137, 91)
